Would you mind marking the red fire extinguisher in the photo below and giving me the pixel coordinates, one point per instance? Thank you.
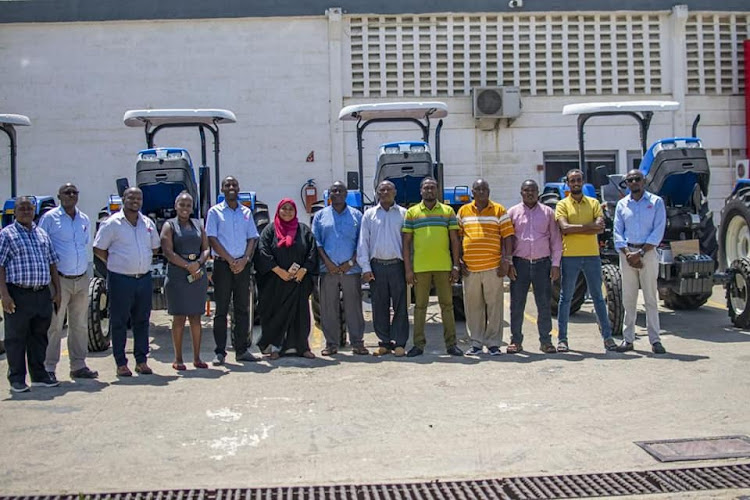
(309, 194)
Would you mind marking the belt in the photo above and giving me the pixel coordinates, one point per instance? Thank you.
(636, 245)
(532, 261)
(35, 288)
(386, 262)
(69, 277)
(135, 276)
(189, 256)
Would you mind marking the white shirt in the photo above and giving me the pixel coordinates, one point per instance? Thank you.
(70, 237)
(130, 248)
(380, 235)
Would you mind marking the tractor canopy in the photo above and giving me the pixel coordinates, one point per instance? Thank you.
(673, 167)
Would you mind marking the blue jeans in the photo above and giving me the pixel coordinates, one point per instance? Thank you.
(129, 299)
(592, 271)
(531, 273)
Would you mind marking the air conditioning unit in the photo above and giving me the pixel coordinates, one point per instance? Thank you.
(496, 102)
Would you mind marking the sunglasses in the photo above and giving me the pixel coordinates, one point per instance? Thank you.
(634, 179)
(70, 193)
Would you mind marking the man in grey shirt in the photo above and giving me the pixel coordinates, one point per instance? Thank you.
(126, 242)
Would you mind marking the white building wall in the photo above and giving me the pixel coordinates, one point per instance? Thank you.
(285, 78)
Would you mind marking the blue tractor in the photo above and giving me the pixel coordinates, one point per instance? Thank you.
(677, 170)
(162, 173)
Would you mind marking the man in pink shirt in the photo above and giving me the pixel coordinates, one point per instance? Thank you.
(537, 249)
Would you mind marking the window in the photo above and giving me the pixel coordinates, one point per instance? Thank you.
(557, 164)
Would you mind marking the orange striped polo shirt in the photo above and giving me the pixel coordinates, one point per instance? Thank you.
(481, 233)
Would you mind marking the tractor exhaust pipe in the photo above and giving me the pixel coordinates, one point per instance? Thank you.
(695, 125)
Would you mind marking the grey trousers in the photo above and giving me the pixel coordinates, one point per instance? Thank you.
(330, 312)
(74, 299)
(645, 279)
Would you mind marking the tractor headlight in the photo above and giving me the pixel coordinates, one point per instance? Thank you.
(693, 144)
(174, 155)
(392, 150)
(148, 156)
(417, 149)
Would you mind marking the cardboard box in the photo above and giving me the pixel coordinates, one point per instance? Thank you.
(685, 247)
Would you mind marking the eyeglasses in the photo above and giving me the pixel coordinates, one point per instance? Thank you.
(70, 193)
(634, 179)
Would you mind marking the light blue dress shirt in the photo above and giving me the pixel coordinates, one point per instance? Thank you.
(130, 247)
(338, 234)
(380, 235)
(231, 227)
(70, 238)
(639, 222)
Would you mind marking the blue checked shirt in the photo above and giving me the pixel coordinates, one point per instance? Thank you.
(639, 222)
(26, 255)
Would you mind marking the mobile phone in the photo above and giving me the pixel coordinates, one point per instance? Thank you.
(190, 277)
(293, 268)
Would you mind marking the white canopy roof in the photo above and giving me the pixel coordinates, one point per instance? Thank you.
(417, 110)
(626, 106)
(156, 117)
(15, 120)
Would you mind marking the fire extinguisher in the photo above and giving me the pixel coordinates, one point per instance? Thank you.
(309, 194)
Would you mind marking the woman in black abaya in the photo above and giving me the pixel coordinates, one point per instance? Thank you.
(284, 290)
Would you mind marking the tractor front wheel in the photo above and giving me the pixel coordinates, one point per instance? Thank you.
(734, 235)
(98, 317)
(738, 294)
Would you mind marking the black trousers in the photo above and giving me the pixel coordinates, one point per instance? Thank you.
(389, 287)
(26, 333)
(235, 287)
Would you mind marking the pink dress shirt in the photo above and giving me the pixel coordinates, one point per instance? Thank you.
(537, 233)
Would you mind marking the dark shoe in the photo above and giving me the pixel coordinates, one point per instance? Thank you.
(474, 351)
(360, 350)
(84, 372)
(657, 348)
(563, 346)
(547, 348)
(124, 371)
(19, 387)
(219, 359)
(329, 351)
(514, 348)
(454, 351)
(414, 352)
(625, 346)
(245, 356)
(143, 369)
(51, 376)
(494, 351)
(610, 344)
(48, 382)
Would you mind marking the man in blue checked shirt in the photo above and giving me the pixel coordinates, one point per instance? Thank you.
(28, 263)
(640, 218)
(336, 230)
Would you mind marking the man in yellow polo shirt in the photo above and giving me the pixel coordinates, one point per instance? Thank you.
(486, 231)
(432, 229)
(580, 219)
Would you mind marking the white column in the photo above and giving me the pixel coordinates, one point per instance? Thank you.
(678, 74)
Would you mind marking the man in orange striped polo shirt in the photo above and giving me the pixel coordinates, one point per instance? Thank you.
(486, 231)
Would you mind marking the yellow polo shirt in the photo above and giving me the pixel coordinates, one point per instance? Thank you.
(583, 212)
(482, 233)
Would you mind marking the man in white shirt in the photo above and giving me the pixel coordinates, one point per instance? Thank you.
(69, 230)
(380, 257)
(126, 242)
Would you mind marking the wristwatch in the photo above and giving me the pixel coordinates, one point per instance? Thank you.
(642, 252)
(350, 262)
(456, 268)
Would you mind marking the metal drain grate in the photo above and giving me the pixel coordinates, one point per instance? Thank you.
(513, 488)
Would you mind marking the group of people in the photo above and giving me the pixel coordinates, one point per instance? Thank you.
(43, 270)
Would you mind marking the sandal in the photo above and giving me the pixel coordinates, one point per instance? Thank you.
(200, 364)
(308, 355)
(179, 366)
(514, 348)
(562, 346)
(548, 349)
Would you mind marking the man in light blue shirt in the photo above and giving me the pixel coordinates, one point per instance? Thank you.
(232, 235)
(640, 219)
(70, 232)
(380, 257)
(336, 231)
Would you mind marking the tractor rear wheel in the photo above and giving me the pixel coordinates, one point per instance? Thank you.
(579, 295)
(738, 293)
(734, 234)
(684, 302)
(261, 216)
(612, 291)
(98, 317)
(315, 300)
